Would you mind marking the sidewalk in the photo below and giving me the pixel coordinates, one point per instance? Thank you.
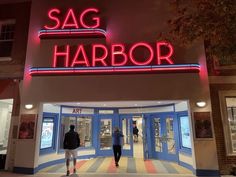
(7, 174)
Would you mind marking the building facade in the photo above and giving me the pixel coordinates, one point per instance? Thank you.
(222, 88)
(13, 42)
(100, 65)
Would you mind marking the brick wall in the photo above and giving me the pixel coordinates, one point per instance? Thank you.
(21, 13)
(225, 162)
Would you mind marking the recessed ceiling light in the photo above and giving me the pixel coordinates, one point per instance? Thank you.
(135, 104)
(201, 104)
(28, 106)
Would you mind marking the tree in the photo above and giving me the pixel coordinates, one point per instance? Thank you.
(214, 21)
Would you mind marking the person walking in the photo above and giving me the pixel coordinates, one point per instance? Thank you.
(117, 141)
(71, 143)
(135, 133)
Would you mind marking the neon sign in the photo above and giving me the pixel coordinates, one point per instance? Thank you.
(72, 24)
(70, 20)
(100, 58)
(118, 55)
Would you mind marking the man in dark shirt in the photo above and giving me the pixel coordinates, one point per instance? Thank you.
(71, 143)
(117, 141)
(135, 133)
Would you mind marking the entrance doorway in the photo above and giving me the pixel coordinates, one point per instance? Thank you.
(146, 135)
(164, 131)
(138, 136)
(107, 123)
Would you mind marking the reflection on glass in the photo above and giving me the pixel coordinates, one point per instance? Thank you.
(105, 134)
(65, 127)
(84, 124)
(157, 134)
(126, 132)
(185, 132)
(170, 135)
(231, 110)
(5, 119)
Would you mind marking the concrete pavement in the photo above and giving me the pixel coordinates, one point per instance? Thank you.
(8, 174)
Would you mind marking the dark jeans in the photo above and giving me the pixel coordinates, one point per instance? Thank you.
(117, 152)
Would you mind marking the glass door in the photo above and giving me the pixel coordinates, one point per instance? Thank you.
(165, 136)
(126, 127)
(145, 143)
(106, 126)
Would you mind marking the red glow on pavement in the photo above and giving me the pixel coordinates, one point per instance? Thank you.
(112, 168)
(150, 167)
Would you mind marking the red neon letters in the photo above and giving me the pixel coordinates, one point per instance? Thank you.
(71, 20)
(117, 56)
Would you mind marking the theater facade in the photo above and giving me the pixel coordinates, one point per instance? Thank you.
(100, 65)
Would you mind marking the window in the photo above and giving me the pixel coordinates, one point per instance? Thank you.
(231, 122)
(228, 116)
(83, 125)
(5, 119)
(106, 111)
(7, 29)
(84, 128)
(105, 134)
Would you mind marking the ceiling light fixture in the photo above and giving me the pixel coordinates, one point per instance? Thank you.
(201, 104)
(28, 106)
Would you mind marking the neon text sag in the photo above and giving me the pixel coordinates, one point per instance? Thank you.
(116, 50)
(71, 20)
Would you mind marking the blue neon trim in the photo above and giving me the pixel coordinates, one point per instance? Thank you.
(178, 65)
(129, 67)
(72, 30)
(111, 67)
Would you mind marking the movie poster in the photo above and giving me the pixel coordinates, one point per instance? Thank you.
(27, 126)
(202, 122)
(185, 131)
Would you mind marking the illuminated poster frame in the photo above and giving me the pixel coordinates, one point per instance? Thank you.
(185, 132)
(49, 133)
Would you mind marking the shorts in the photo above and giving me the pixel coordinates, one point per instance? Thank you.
(70, 152)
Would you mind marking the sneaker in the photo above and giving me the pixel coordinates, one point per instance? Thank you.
(74, 171)
(67, 173)
(117, 165)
